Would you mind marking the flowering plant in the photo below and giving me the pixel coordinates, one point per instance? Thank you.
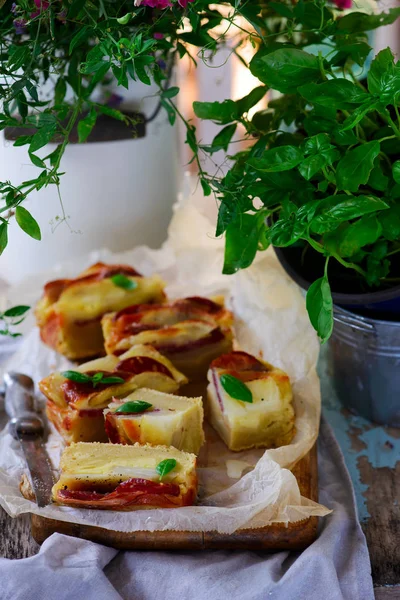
(320, 168)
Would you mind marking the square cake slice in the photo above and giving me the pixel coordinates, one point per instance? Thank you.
(148, 416)
(119, 477)
(249, 402)
(191, 332)
(76, 398)
(70, 310)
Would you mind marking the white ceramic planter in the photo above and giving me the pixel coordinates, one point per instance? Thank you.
(116, 195)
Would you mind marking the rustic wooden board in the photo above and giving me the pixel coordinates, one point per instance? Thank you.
(295, 536)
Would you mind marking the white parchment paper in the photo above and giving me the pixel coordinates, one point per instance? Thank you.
(237, 489)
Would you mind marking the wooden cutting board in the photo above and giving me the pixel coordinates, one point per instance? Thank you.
(294, 536)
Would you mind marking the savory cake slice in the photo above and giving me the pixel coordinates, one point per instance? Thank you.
(191, 332)
(76, 399)
(70, 310)
(118, 477)
(249, 402)
(150, 417)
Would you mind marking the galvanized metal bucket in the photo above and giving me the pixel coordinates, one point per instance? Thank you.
(365, 359)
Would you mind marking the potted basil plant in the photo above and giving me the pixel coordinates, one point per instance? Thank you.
(320, 182)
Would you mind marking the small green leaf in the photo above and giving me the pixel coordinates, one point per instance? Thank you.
(235, 388)
(124, 282)
(111, 380)
(282, 158)
(38, 162)
(78, 39)
(3, 237)
(222, 112)
(86, 125)
(356, 165)
(253, 98)
(16, 311)
(396, 171)
(205, 187)
(166, 466)
(241, 243)
(170, 92)
(42, 137)
(320, 307)
(60, 90)
(27, 223)
(136, 406)
(77, 376)
(223, 139)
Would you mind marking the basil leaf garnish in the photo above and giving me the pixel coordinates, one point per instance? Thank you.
(236, 388)
(77, 376)
(112, 380)
(165, 466)
(135, 406)
(95, 379)
(123, 282)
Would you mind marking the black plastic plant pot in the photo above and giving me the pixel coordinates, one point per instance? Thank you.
(304, 265)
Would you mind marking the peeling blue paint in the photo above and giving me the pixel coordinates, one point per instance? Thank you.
(382, 449)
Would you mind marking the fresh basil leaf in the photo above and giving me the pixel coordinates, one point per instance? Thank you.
(166, 466)
(77, 376)
(377, 180)
(86, 125)
(335, 93)
(350, 238)
(288, 68)
(390, 221)
(286, 232)
(124, 282)
(27, 223)
(396, 171)
(335, 209)
(111, 380)
(384, 77)
(314, 163)
(222, 112)
(282, 158)
(3, 237)
(320, 308)
(235, 388)
(356, 165)
(16, 311)
(135, 406)
(241, 243)
(97, 377)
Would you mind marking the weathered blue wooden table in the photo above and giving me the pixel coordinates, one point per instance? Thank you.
(372, 455)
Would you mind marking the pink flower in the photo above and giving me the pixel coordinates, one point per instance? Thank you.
(343, 4)
(158, 36)
(41, 4)
(184, 3)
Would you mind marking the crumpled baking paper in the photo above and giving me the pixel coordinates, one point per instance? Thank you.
(237, 489)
